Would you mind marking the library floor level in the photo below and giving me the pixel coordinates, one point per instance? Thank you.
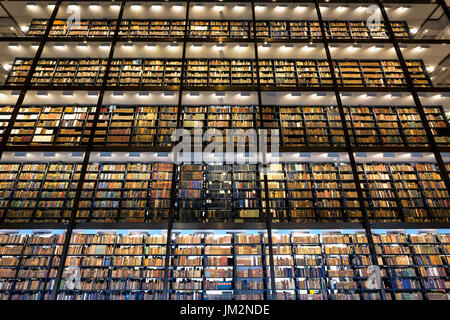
(224, 150)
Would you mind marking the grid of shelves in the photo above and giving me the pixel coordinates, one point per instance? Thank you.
(115, 266)
(218, 72)
(218, 266)
(225, 193)
(129, 192)
(322, 265)
(228, 29)
(38, 192)
(415, 265)
(28, 263)
(411, 192)
(56, 125)
(136, 125)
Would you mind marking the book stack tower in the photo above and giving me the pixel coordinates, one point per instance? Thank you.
(334, 159)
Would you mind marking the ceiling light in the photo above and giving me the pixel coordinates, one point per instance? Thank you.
(7, 67)
(13, 45)
(413, 30)
(24, 28)
(156, 7)
(136, 6)
(219, 8)
(94, 6)
(31, 6)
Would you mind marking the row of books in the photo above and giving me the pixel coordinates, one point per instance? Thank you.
(299, 192)
(215, 72)
(231, 29)
(298, 125)
(319, 265)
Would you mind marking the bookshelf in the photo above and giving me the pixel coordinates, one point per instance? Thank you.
(227, 29)
(38, 192)
(223, 193)
(222, 265)
(403, 192)
(29, 260)
(413, 263)
(127, 192)
(439, 124)
(115, 265)
(218, 72)
(125, 125)
(322, 265)
(56, 125)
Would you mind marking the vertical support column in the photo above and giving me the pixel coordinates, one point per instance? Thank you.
(349, 147)
(412, 89)
(26, 85)
(175, 171)
(263, 159)
(87, 154)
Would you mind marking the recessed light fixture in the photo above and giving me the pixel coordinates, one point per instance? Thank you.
(245, 94)
(94, 6)
(168, 94)
(117, 93)
(13, 45)
(150, 45)
(24, 28)
(220, 94)
(156, 7)
(197, 45)
(136, 6)
(143, 93)
(198, 6)
(219, 8)
(7, 66)
(73, 6)
(295, 94)
(413, 30)
(82, 45)
(194, 94)
(59, 45)
(31, 6)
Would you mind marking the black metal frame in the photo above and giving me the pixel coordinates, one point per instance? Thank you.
(268, 225)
